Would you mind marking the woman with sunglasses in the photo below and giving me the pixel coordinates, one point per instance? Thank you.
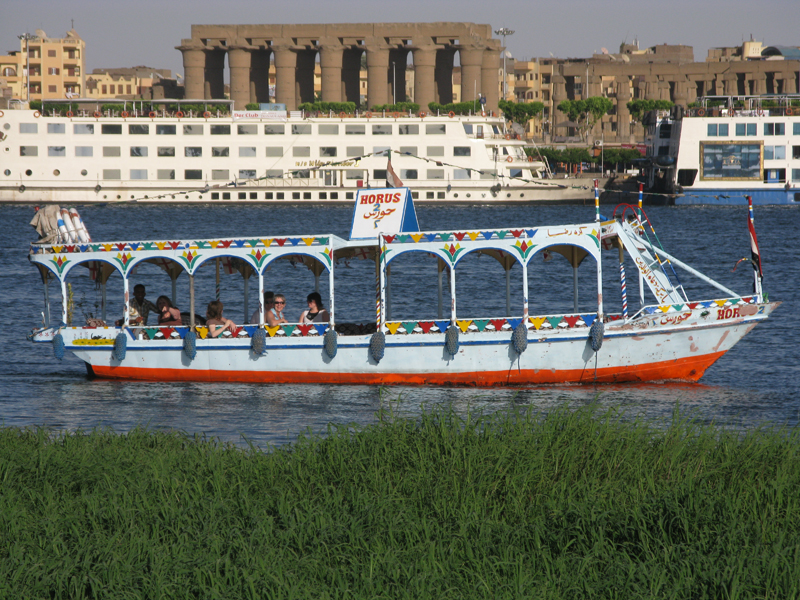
(275, 314)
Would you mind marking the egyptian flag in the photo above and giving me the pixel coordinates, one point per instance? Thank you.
(755, 255)
(392, 180)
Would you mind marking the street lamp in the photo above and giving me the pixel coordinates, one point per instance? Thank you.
(28, 37)
(504, 31)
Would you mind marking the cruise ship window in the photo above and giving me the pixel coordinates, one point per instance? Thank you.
(56, 128)
(220, 151)
(193, 151)
(220, 130)
(139, 129)
(795, 174)
(435, 150)
(468, 128)
(301, 174)
(247, 129)
(435, 174)
(795, 152)
(275, 173)
(220, 174)
(247, 173)
(408, 129)
(752, 129)
(56, 151)
(381, 130)
(166, 151)
(327, 152)
(138, 151)
(28, 128)
(83, 128)
(717, 130)
(488, 174)
(462, 174)
(379, 174)
(354, 151)
(381, 150)
(304, 129)
(796, 128)
(111, 151)
(165, 129)
(29, 151)
(435, 129)
(112, 174)
(774, 129)
(301, 151)
(247, 151)
(355, 130)
(412, 150)
(741, 129)
(774, 152)
(274, 150)
(165, 173)
(408, 174)
(353, 174)
(193, 174)
(274, 129)
(138, 173)
(461, 151)
(84, 151)
(329, 130)
(192, 130)
(111, 129)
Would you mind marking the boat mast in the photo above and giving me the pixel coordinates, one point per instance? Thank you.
(599, 255)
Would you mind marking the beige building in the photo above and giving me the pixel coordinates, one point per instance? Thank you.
(124, 83)
(49, 67)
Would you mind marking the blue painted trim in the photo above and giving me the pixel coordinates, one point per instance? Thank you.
(736, 197)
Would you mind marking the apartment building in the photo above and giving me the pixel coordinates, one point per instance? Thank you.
(124, 83)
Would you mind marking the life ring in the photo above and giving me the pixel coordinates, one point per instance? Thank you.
(422, 114)
(342, 115)
(97, 114)
(206, 115)
(483, 113)
(509, 159)
(2, 113)
(69, 114)
(508, 136)
(451, 114)
(152, 114)
(701, 112)
(789, 111)
(368, 115)
(125, 114)
(37, 114)
(396, 115)
(179, 114)
(530, 159)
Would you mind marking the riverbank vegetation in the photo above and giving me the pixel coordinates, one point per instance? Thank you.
(572, 504)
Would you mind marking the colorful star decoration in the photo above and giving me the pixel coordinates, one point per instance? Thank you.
(258, 257)
(523, 247)
(60, 263)
(123, 259)
(453, 250)
(190, 258)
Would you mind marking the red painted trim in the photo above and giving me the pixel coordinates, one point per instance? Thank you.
(684, 369)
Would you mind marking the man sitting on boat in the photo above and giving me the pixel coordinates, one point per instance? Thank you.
(269, 299)
(140, 307)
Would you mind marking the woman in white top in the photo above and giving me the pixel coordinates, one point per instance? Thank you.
(316, 313)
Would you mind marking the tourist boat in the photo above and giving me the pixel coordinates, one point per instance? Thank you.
(726, 149)
(266, 156)
(669, 336)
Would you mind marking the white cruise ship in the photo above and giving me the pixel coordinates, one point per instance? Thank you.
(266, 156)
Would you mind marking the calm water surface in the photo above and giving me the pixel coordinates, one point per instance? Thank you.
(757, 382)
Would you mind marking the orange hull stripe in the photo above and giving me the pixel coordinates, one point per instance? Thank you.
(683, 369)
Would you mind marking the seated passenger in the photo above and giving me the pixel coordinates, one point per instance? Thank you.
(216, 323)
(275, 314)
(268, 301)
(316, 313)
(140, 307)
(168, 315)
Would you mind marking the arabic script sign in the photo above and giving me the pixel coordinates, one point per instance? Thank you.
(379, 211)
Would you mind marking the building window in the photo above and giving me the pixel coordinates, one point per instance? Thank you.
(51, 53)
(193, 174)
(220, 151)
(220, 130)
(220, 174)
(56, 151)
(83, 128)
(53, 71)
(329, 130)
(192, 130)
(274, 129)
(140, 129)
(138, 173)
(247, 173)
(128, 91)
(355, 130)
(717, 130)
(461, 151)
(247, 129)
(354, 174)
(796, 152)
(796, 128)
(165, 129)
(112, 174)
(774, 129)
(327, 152)
(56, 128)
(111, 151)
(301, 129)
(408, 174)
(139, 151)
(774, 152)
(379, 173)
(412, 150)
(381, 130)
(408, 129)
(104, 89)
(111, 129)
(193, 152)
(166, 151)
(275, 151)
(274, 173)
(438, 129)
(435, 174)
(301, 151)
(795, 174)
(165, 173)
(112, 89)
(435, 150)
(462, 174)
(354, 150)
(28, 128)
(29, 151)
(247, 151)
(84, 151)
(734, 160)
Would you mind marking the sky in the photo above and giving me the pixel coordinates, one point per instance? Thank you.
(145, 32)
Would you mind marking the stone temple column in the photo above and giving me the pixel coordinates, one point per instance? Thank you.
(471, 63)
(731, 84)
(194, 66)
(377, 71)
(680, 91)
(330, 62)
(623, 114)
(424, 67)
(759, 84)
(651, 88)
(489, 70)
(789, 83)
(239, 63)
(559, 86)
(285, 65)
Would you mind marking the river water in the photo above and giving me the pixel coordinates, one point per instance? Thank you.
(757, 382)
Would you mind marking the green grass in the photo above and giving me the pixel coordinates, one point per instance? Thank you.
(573, 504)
